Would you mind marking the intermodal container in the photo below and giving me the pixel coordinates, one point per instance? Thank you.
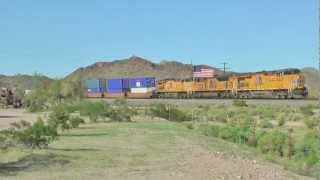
(117, 85)
(142, 82)
(94, 90)
(141, 90)
(92, 83)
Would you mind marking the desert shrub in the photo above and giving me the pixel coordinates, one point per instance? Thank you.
(312, 122)
(219, 116)
(281, 119)
(265, 124)
(37, 135)
(266, 112)
(61, 119)
(190, 126)
(94, 110)
(159, 110)
(211, 130)
(37, 100)
(169, 112)
(230, 133)
(308, 150)
(76, 121)
(307, 110)
(272, 142)
(121, 111)
(242, 121)
(239, 103)
(295, 117)
(5, 141)
(235, 134)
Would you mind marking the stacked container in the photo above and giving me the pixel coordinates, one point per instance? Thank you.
(116, 88)
(142, 87)
(94, 88)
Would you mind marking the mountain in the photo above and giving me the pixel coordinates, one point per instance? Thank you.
(139, 67)
(134, 67)
(312, 77)
(23, 82)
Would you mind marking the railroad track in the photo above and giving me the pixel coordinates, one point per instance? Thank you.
(290, 102)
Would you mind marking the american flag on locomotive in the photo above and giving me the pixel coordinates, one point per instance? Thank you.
(203, 72)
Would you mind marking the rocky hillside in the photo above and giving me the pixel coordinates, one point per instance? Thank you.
(139, 67)
(134, 67)
(22, 82)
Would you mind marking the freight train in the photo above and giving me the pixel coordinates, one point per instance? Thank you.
(281, 84)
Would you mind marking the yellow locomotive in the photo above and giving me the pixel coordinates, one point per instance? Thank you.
(282, 84)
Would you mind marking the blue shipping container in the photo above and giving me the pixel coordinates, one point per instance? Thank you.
(142, 82)
(117, 85)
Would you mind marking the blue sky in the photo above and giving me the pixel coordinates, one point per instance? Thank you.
(56, 37)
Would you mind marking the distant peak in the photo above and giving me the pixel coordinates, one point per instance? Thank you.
(136, 58)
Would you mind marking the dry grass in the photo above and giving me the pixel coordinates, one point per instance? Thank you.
(142, 150)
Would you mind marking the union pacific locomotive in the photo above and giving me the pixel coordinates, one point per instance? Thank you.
(281, 84)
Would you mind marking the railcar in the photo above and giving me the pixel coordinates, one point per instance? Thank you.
(282, 84)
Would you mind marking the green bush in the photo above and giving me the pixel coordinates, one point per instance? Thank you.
(211, 130)
(5, 141)
(76, 121)
(239, 103)
(229, 133)
(37, 101)
(61, 119)
(120, 111)
(190, 126)
(169, 112)
(94, 110)
(37, 135)
(272, 142)
(281, 120)
(265, 124)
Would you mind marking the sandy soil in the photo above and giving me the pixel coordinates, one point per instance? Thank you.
(8, 116)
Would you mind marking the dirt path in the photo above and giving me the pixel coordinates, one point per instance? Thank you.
(196, 162)
(8, 116)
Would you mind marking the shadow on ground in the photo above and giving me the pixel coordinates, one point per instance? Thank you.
(86, 135)
(32, 162)
(75, 150)
(8, 117)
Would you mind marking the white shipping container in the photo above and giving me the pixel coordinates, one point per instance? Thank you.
(141, 90)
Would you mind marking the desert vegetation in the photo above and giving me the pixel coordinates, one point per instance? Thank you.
(286, 135)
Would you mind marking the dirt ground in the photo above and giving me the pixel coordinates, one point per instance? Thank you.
(8, 116)
(141, 151)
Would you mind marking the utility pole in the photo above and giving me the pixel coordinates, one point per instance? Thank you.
(319, 34)
(225, 68)
(319, 40)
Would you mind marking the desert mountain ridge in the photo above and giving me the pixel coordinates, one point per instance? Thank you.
(138, 67)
